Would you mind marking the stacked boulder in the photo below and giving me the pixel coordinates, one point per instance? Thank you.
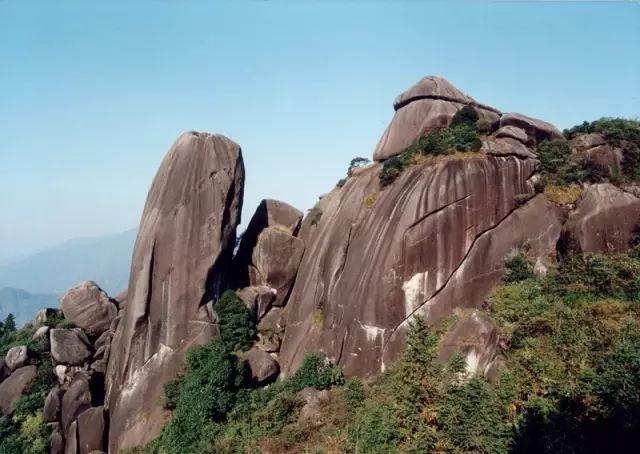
(15, 377)
(75, 407)
(265, 268)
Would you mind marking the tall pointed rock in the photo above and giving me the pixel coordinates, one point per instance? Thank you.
(183, 250)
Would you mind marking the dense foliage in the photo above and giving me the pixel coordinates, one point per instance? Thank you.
(24, 431)
(217, 410)
(462, 135)
(563, 168)
(559, 166)
(237, 322)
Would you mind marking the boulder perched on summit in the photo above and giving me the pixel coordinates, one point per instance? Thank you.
(89, 307)
(179, 267)
(429, 104)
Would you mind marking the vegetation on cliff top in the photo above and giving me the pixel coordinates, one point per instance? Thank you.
(463, 134)
(560, 166)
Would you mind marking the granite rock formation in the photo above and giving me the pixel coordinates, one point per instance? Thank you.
(344, 281)
(429, 104)
(179, 266)
(88, 307)
(605, 219)
(431, 243)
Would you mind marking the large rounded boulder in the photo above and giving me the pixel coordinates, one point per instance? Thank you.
(89, 307)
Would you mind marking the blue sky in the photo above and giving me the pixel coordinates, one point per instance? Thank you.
(93, 94)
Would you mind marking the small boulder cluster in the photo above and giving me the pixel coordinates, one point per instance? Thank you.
(77, 340)
(15, 376)
(265, 268)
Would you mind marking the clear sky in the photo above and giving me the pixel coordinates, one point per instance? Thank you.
(92, 94)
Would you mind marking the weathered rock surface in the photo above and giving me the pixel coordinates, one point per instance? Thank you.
(44, 314)
(262, 366)
(71, 439)
(270, 213)
(271, 329)
(476, 338)
(433, 241)
(604, 220)
(4, 370)
(259, 298)
(91, 427)
(76, 400)
(182, 253)
(429, 104)
(513, 133)
(56, 442)
(607, 159)
(537, 130)
(51, 410)
(89, 307)
(69, 346)
(12, 388)
(121, 298)
(41, 333)
(16, 357)
(505, 146)
(276, 258)
(585, 141)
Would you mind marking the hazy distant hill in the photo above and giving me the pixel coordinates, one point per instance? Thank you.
(105, 260)
(23, 304)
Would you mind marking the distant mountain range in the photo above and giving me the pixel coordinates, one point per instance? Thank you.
(23, 304)
(33, 282)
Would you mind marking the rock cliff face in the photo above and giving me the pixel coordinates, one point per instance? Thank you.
(179, 266)
(433, 242)
(344, 281)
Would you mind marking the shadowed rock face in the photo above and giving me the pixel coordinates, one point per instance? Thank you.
(270, 213)
(179, 264)
(439, 229)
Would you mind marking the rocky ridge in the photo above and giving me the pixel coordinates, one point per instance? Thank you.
(344, 280)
